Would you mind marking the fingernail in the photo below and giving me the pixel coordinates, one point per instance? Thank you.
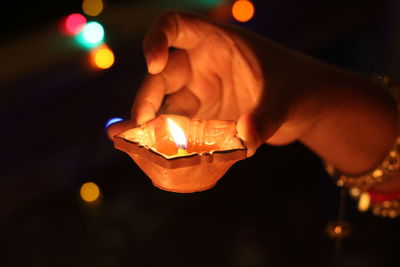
(154, 68)
(112, 121)
(149, 62)
(153, 65)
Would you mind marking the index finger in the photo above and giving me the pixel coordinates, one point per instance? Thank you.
(173, 29)
(151, 93)
(148, 99)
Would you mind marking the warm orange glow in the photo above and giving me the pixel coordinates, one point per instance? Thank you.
(102, 57)
(89, 192)
(177, 134)
(212, 144)
(392, 214)
(338, 229)
(92, 7)
(364, 202)
(243, 10)
(355, 192)
(377, 173)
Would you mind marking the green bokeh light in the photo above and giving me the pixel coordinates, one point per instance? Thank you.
(91, 36)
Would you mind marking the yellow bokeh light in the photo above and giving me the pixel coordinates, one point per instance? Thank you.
(103, 57)
(89, 192)
(243, 10)
(92, 7)
(377, 173)
(364, 202)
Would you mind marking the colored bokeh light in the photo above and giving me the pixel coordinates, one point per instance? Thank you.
(93, 32)
(102, 57)
(73, 24)
(92, 35)
(243, 10)
(92, 7)
(113, 120)
(89, 192)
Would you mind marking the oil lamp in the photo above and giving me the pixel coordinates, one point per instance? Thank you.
(183, 155)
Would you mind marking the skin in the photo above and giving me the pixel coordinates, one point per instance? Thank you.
(276, 95)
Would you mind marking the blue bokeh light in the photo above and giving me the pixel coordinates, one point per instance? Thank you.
(112, 121)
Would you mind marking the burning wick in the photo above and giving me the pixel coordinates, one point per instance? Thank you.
(179, 137)
(181, 151)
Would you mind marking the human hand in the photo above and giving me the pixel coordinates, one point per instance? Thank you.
(217, 72)
(276, 95)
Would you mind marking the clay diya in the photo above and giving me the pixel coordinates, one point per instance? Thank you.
(183, 155)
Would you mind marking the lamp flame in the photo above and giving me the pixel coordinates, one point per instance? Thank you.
(177, 134)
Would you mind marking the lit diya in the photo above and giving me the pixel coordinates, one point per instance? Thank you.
(183, 155)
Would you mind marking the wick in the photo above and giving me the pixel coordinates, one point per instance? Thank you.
(182, 150)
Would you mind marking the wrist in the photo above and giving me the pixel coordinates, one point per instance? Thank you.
(358, 127)
(378, 189)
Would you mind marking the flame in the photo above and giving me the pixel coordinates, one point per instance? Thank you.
(177, 134)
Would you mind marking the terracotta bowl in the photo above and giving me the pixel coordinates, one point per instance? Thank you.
(213, 148)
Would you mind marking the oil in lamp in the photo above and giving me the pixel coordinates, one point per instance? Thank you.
(183, 155)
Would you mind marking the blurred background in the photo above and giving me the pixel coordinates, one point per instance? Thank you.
(68, 198)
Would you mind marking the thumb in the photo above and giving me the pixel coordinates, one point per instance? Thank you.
(255, 127)
(117, 128)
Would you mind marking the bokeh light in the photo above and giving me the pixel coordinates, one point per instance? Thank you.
(91, 36)
(102, 57)
(113, 120)
(338, 229)
(89, 192)
(73, 24)
(93, 32)
(92, 7)
(364, 202)
(243, 10)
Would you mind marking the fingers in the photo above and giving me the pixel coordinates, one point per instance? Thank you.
(183, 102)
(173, 29)
(148, 99)
(117, 128)
(153, 89)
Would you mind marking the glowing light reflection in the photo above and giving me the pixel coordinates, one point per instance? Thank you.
(113, 120)
(92, 7)
(73, 24)
(102, 57)
(243, 10)
(91, 36)
(364, 202)
(89, 192)
(93, 32)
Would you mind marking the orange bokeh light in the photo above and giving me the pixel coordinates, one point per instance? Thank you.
(102, 57)
(92, 7)
(89, 192)
(243, 10)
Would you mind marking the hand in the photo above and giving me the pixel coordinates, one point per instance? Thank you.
(219, 72)
(275, 94)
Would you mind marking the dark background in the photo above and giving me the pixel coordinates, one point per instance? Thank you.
(268, 210)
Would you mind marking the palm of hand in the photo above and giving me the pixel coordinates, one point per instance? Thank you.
(219, 79)
(217, 72)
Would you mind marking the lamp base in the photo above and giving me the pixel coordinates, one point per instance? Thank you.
(212, 149)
